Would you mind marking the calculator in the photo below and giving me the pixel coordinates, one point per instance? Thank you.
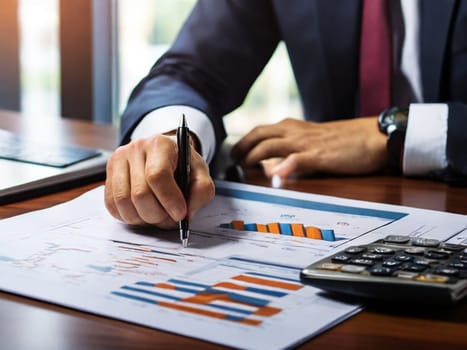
(396, 268)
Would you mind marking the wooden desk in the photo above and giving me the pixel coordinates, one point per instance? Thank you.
(30, 324)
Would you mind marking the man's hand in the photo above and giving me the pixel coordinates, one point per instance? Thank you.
(141, 189)
(353, 146)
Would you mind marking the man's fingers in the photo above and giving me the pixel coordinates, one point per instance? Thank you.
(294, 165)
(255, 136)
(141, 186)
(146, 204)
(118, 193)
(161, 162)
(270, 148)
(202, 187)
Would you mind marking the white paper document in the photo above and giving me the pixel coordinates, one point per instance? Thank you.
(236, 284)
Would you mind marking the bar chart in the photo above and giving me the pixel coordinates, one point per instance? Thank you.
(281, 228)
(246, 298)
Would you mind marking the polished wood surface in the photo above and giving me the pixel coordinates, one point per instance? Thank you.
(31, 324)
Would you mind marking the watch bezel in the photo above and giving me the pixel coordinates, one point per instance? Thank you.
(393, 118)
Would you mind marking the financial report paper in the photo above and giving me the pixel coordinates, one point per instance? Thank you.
(236, 284)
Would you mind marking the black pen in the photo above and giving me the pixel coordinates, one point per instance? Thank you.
(183, 174)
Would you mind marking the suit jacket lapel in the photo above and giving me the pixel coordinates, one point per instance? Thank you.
(435, 20)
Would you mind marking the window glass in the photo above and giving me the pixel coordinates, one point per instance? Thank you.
(146, 30)
(39, 56)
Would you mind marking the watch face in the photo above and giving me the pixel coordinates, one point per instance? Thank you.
(394, 118)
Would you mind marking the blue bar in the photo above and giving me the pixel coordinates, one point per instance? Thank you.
(273, 293)
(328, 235)
(250, 227)
(286, 229)
(238, 297)
(187, 283)
(300, 203)
(156, 294)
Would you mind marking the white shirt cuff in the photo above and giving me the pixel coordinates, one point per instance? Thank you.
(165, 119)
(426, 137)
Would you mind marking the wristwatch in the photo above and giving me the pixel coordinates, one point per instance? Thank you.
(393, 122)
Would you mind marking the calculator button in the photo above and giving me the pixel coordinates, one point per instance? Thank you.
(436, 254)
(458, 265)
(363, 262)
(396, 239)
(403, 257)
(447, 271)
(382, 250)
(425, 242)
(355, 250)
(452, 247)
(353, 268)
(372, 256)
(424, 262)
(413, 268)
(340, 258)
(432, 278)
(391, 263)
(330, 266)
(381, 271)
(415, 250)
(406, 275)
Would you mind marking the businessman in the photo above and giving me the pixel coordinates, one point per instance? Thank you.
(382, 85)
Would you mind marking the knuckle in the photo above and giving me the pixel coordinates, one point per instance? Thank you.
(208, 187)
(155, 174)
(293, 160)
(139, 192)
(121, 198)
(159, 140)
(119, 152)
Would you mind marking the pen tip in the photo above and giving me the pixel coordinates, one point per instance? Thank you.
(185, 243)
(183, 121)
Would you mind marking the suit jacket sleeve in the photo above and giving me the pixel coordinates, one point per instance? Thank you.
(456, 146)
(219, 52)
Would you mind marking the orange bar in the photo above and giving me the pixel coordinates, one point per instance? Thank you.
(261, 228)
(145, 261)
(139, 249)
(206, 298)
(250, 322)
(313, 232)
(267, 311)
(165, 286)
(212, 314)
(297, 230)
(273, 228)
(270, 283)
(238, 225)
(159, 258)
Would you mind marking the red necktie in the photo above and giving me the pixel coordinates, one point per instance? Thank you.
(375, 58)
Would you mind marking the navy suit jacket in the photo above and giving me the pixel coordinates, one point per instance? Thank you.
(224, 45)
